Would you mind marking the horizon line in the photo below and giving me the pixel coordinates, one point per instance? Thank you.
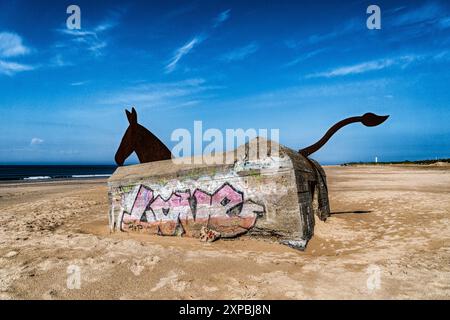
(134, 163)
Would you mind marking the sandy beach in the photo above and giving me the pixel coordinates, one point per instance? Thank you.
(388, 238)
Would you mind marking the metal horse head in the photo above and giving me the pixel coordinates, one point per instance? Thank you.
(140, 140)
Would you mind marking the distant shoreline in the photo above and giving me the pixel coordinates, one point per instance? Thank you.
(28, 173)
(55, 173)
(406, 162)
(50, 182)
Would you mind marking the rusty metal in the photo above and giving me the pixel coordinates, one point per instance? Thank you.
(138, 139)
(368, 119)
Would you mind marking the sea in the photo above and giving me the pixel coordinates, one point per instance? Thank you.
(49, 172)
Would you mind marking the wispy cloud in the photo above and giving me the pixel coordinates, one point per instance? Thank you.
(93, 40)
(345, 29)
(414, 22)
(354, 69)
(189, 46)
(79, 33)
(79, 83)
(303, 57)
(221, 18)
(106, 25)
(302, 97)
(183, 93)
(36, 141)
(59, 61)
(181, 52)
(11, 68)
(373, 65)
(11, 45)
(240, 53)
(401, 24)
(85, 40)
(430, 11)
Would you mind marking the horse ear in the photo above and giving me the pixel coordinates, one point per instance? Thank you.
(134, 114)
(129, 116)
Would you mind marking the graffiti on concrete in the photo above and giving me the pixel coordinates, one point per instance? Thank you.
(225, 211)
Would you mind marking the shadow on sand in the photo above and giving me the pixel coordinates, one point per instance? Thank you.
(349, 212)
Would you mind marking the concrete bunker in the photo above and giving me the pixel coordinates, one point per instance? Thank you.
(275, 194)
(267, 190)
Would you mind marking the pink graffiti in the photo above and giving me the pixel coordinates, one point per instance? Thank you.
(143, 198)
(224, 210)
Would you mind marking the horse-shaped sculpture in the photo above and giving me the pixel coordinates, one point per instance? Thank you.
(149, 148)
(227, 211)
(138, 139)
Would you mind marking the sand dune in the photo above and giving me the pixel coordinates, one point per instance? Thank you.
(388, 220)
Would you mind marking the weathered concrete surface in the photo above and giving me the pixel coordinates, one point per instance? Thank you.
(266, 190)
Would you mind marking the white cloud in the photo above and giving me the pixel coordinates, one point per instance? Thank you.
(11, 45)
(221, 18)
(78, 33)
(180, 52)
(296, 93)
(413, 22)
(350, 27)
(105, 26)
(85, 39)
(304, 57)
(36, 141)
(92, 39)
(79, 83)
(402, 61)
(307, 97)
(160, 94)
(59, 61)
(96, 48)
(11, 68)
(354, 69)
(442, 56)
(240, 53)
(427, 12)
(189, 46)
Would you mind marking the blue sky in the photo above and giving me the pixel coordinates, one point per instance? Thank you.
(296, 66)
